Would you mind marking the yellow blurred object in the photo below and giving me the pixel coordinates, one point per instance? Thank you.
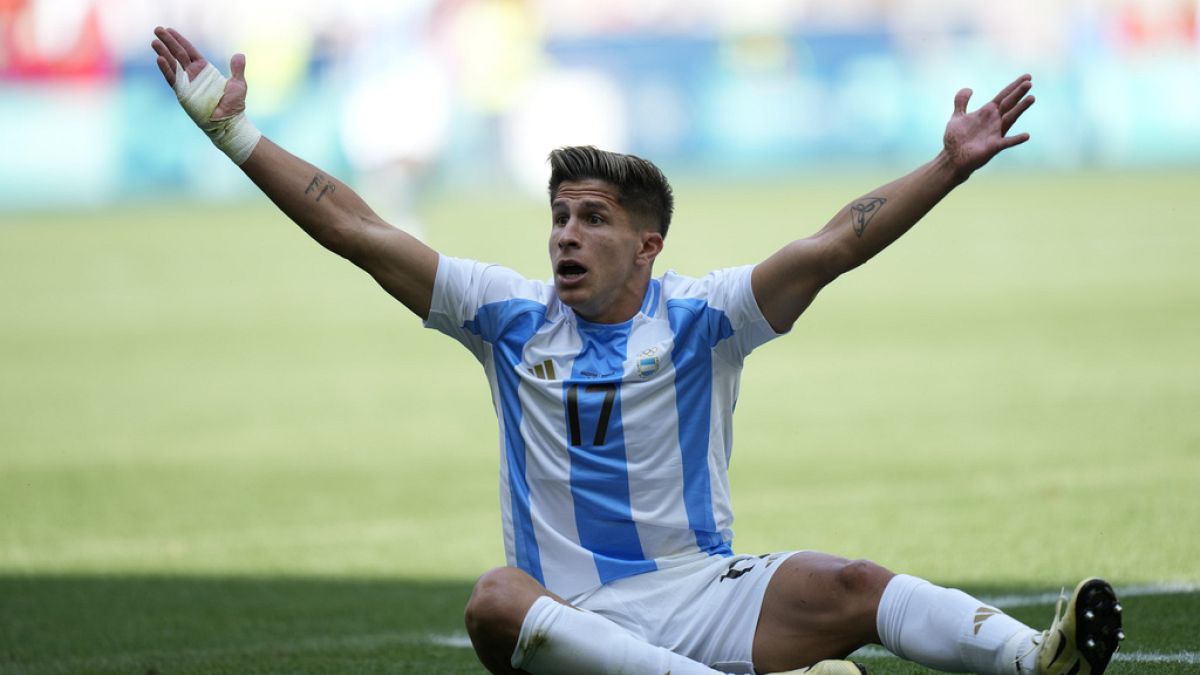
(276, 60)
(496, 48)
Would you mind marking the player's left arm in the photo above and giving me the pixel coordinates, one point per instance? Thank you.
(786, 283)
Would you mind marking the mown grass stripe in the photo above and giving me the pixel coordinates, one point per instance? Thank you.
(133, 661)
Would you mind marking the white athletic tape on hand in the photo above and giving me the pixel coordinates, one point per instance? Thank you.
(233, 135)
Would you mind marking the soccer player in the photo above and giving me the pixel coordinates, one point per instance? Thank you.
(614, 391)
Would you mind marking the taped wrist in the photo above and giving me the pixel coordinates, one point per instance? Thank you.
(235, 135)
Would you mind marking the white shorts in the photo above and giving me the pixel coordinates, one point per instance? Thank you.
(707, 610)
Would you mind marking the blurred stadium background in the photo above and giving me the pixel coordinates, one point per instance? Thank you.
(220, 446)
(463, 91)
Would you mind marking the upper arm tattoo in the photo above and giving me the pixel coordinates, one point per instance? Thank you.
(863, 210)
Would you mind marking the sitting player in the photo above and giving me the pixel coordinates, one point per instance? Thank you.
(614, 391)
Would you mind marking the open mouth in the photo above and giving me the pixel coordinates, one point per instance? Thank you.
(569, 270)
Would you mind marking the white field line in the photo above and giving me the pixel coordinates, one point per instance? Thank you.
(1190, 658)
(1169, 588)
(461, 640)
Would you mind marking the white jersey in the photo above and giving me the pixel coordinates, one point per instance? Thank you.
(615, 438)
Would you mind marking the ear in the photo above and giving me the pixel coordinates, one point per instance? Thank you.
(652, 245)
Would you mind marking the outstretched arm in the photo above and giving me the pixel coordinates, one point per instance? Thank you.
(324, 207)
(787, 282)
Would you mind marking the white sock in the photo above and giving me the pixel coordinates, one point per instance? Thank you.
(947, 629)
(560, 640)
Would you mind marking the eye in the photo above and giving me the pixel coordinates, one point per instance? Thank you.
(560, 219)
(596, 219)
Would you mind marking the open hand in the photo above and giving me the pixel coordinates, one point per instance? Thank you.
(973, 139)
(172, 48)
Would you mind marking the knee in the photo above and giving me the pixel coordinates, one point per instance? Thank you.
(495, 613)
(494, 600)
(862, 578)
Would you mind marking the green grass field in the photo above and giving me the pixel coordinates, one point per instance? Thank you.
(222, 449)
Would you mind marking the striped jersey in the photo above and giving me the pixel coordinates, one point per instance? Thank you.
(615, 438)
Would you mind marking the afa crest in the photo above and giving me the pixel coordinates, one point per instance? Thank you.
(648, 362)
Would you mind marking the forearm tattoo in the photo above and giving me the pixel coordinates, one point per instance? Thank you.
(862, 211)
(321, 185)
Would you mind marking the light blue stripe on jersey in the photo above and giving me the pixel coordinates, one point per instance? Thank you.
(700, 328)
(516, 321)
(599, 465)
(650, 302)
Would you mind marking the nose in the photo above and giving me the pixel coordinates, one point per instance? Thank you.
(568, 235)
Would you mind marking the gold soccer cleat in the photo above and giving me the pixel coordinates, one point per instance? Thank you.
(1083, 639)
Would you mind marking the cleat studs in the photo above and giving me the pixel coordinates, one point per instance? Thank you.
(1117, 608)
(1120, 636)
(1091, 644)
(1089, 615)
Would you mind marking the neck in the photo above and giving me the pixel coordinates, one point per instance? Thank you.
(622, 308)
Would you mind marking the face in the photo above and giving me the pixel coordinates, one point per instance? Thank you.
(600, 258)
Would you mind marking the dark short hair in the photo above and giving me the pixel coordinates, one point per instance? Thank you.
(642, 189)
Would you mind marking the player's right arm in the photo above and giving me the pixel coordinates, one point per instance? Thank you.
(341, 221)
(324, 207)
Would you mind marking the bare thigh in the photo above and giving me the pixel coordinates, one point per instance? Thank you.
(817, 606)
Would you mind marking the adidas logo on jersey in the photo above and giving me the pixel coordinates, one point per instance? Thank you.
(544, 370)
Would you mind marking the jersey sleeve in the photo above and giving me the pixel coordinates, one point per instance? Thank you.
(737, 324)
(462, 291)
